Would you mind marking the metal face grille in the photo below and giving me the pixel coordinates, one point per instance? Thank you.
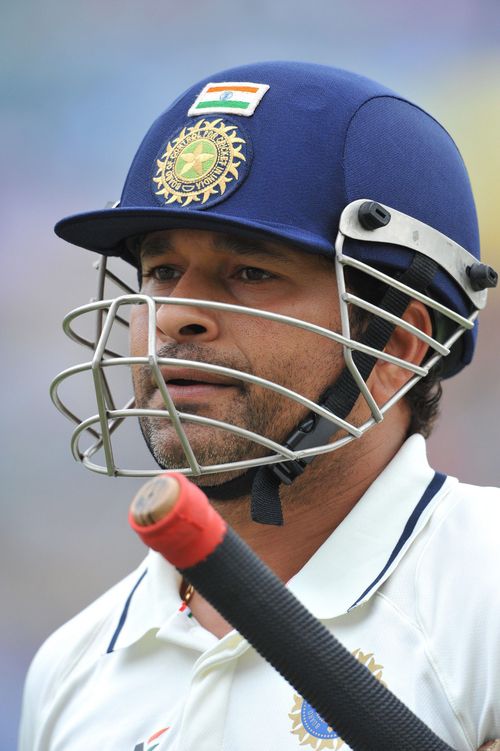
(100, 428)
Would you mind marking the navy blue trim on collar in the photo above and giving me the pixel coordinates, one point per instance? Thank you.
(123, 616)
(433, 487)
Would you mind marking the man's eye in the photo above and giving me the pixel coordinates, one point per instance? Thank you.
(252, 274)
(162, 273)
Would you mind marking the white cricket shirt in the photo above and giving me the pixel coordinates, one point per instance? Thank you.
(409, 582)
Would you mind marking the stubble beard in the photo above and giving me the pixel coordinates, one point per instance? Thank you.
(254, 408)
(211, 445)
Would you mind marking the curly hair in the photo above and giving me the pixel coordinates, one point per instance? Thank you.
(424, 400)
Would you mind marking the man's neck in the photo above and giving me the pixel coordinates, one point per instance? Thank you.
(316, 503)
(313, 507)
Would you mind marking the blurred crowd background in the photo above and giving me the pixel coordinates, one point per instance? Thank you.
(80, 84)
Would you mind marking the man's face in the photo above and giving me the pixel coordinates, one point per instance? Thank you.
(202, 265)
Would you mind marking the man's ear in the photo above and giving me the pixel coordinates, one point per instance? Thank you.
(386, 378)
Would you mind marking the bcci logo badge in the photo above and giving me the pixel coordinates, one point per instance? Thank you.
(202, 165)
(310, 727)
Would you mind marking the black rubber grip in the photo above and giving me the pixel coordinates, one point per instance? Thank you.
(360, 709)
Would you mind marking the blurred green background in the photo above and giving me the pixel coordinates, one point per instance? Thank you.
(80, 84)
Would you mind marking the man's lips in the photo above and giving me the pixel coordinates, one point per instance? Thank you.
(185, 383)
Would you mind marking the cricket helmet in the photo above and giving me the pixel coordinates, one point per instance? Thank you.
(333, 164)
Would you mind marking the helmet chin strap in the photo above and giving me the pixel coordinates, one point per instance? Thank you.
(231, 490)
(339, 398)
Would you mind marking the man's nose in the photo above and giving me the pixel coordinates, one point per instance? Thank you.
(184, 323)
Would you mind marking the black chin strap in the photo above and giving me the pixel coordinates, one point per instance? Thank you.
(239, 487)
(339, 398)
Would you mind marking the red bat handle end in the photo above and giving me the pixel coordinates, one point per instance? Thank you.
(174, 517)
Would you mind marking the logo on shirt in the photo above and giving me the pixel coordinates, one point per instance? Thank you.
(151, 742)
(309, 726)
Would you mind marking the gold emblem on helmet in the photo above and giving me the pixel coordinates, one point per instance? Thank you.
(200, 163)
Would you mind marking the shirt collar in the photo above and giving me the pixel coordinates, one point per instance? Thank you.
(152, 600)
(367, 546)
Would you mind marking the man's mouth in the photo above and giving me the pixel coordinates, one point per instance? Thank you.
(184, 383)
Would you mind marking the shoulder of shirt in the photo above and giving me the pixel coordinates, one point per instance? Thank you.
(461, 532)
(463, 536)
(465, 523)
(446, 587)
(82, 638)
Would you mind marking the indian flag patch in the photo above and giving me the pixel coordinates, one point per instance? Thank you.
(235, 97)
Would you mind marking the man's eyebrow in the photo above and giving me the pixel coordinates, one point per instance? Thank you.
(152, 247)
(251, 247)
